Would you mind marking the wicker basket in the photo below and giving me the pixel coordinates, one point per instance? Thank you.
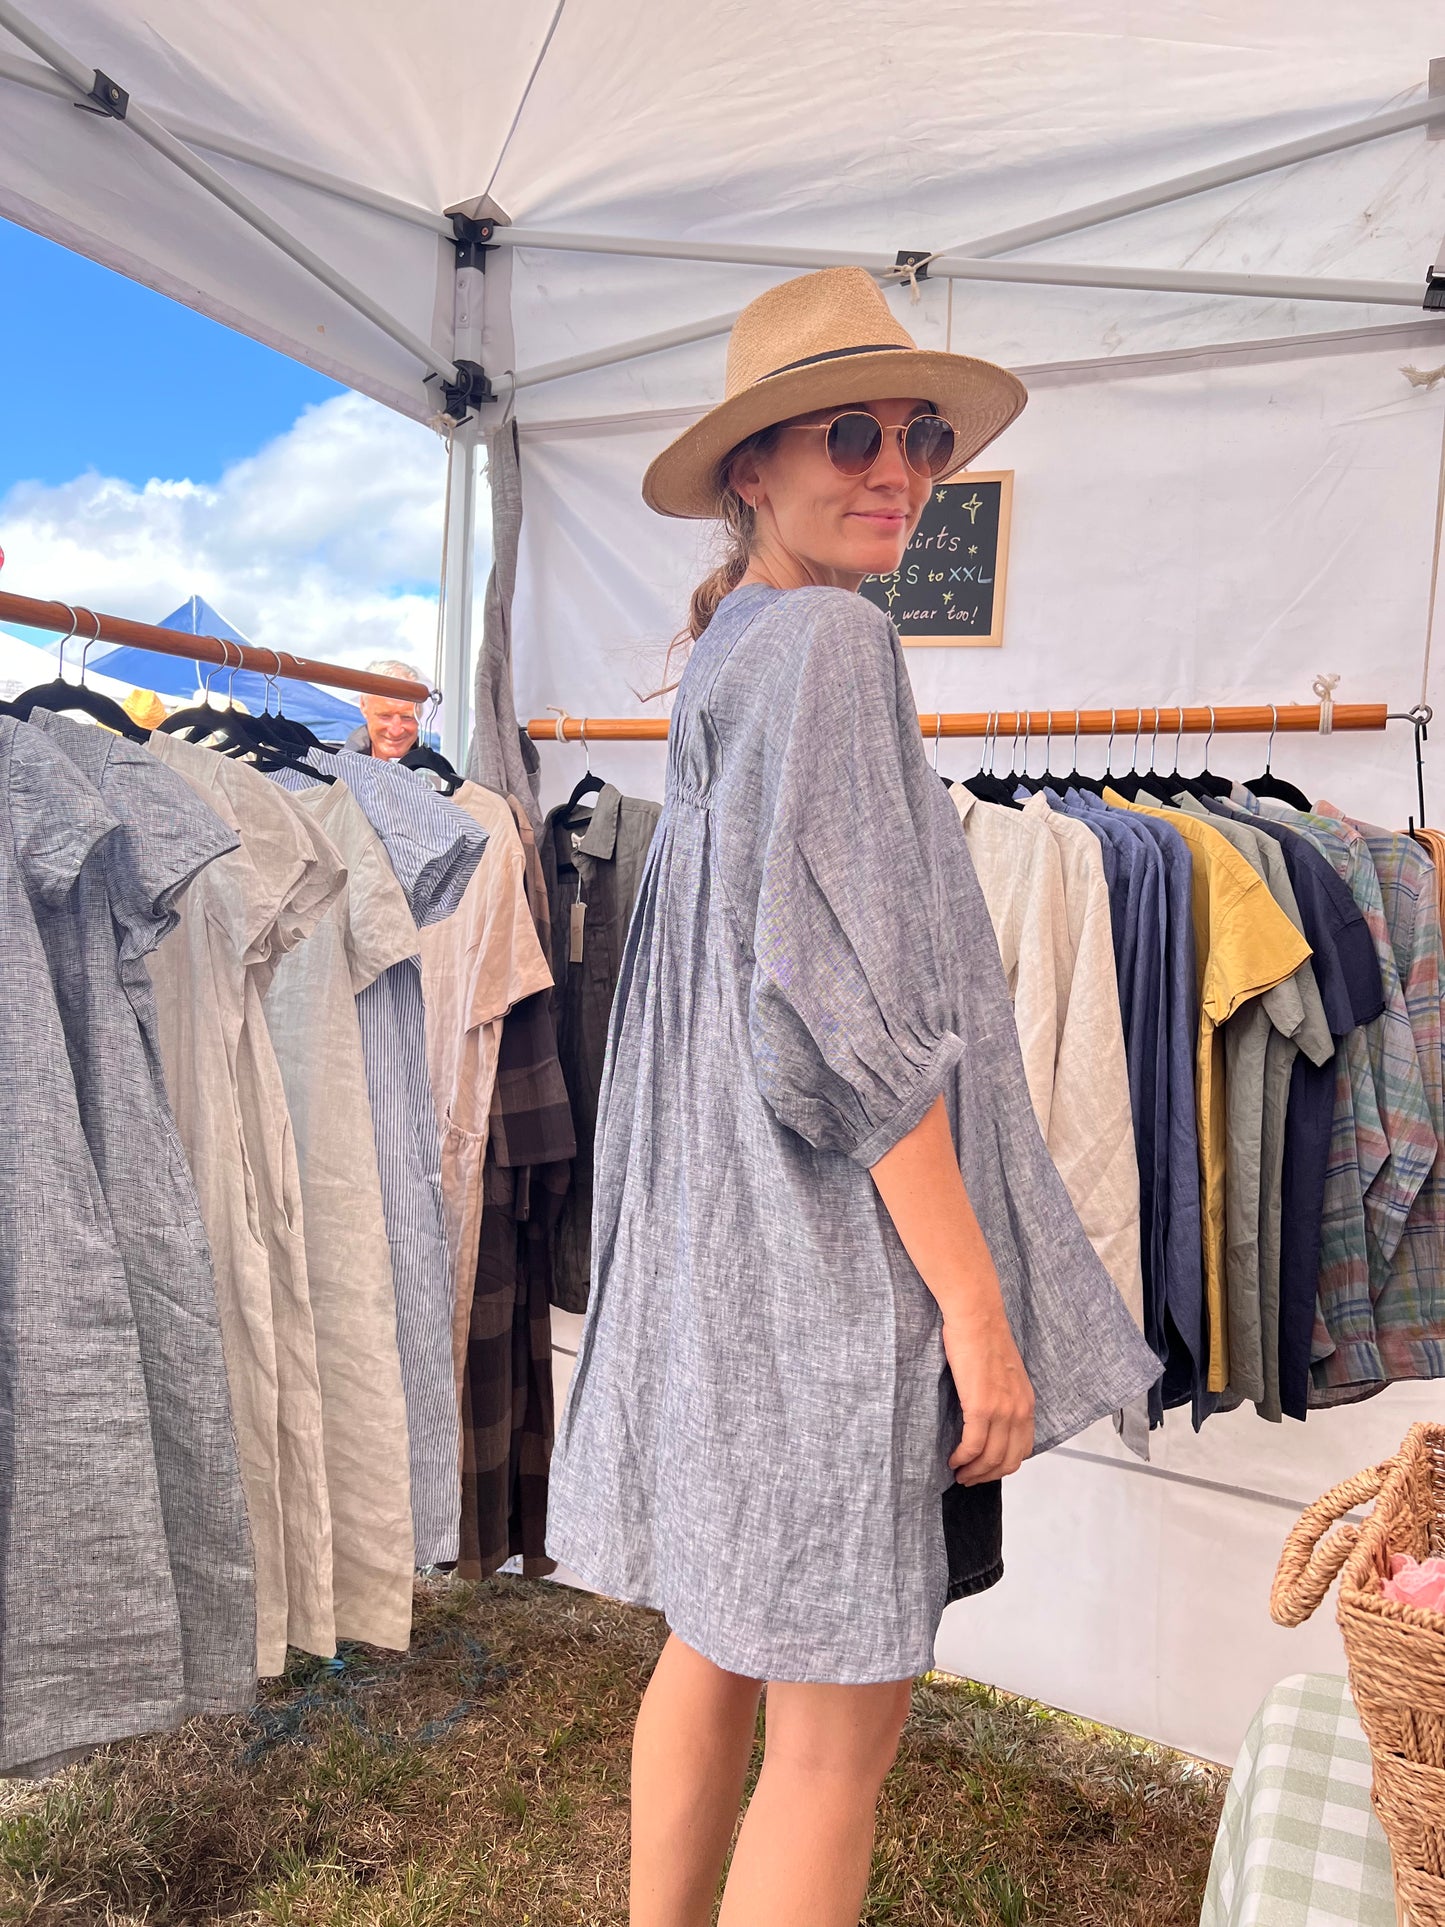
(1396, 1653)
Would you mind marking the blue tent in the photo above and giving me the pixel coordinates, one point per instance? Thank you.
(328, 715)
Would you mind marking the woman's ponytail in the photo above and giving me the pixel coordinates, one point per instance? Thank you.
(739, 522)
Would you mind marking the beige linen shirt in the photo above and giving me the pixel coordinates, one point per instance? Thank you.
(1042, 876)
(475, 964)
(1022, 878)
(230, 1107)
(311, 1010)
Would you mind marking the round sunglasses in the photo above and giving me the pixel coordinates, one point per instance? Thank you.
(854, 441)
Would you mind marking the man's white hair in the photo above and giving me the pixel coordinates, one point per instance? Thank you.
(392, 666)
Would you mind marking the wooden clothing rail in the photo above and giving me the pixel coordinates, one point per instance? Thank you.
(84, 625)
(1196, 720)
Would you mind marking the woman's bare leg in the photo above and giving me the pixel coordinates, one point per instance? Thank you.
(806, 1844)
(690, 1753)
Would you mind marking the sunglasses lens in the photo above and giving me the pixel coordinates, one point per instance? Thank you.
(853, 443)
(928, 445)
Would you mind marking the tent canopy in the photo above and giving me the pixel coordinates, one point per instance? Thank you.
(793, 127)
(321, 711)
(1218, 495)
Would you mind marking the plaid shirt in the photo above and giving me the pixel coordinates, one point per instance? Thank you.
(1381, 1104)
(1410, 1305)
(507, 1411)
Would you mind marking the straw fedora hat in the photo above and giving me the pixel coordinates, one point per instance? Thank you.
(820, 341)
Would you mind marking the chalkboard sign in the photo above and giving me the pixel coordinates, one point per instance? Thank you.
(949, 586)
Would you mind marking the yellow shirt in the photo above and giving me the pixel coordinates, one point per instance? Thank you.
(1244, 945)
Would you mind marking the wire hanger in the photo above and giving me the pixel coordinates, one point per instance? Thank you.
(937, 732)
(587, 781)
(1129, 785)
(203, 718)
(61, 696)
(1077, 779)
(987, 785)
(1272, 786)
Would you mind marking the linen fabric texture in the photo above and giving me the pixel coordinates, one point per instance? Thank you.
(433, 851)
(105, 1630)
(757, 1432)
(244, 912)
(594, 857)
(125, 901)
(1244, 947)
(476, 964)
(310, 1006)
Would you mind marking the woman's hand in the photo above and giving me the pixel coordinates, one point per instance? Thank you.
(923, 1191)
(997, 1399)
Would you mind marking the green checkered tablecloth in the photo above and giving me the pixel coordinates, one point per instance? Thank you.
(1299, 1844)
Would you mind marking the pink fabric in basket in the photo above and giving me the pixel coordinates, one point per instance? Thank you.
(1416, 1583)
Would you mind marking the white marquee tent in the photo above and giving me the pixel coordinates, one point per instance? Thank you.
(1225, 484)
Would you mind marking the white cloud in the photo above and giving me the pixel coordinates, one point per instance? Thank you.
(327, 542)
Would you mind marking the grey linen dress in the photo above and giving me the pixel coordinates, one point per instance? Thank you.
(757, 1433)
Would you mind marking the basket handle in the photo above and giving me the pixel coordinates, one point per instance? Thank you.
(1311, 1561)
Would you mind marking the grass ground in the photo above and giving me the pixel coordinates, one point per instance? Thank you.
(481, 1781)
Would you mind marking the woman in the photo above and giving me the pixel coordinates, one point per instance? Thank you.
(824, 1218)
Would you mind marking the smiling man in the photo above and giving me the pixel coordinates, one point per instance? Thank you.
(391, 726)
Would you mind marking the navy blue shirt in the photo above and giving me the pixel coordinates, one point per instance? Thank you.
(1167, 987)
(1186, 1351)
(1347, 970)
(1136, 912)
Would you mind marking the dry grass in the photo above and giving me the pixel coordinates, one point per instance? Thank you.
(482, 1779)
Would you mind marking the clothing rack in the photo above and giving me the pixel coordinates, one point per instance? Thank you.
(1199, 720)
(88, 627)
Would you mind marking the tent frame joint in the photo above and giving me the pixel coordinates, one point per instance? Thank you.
(106, 97)
(471, 390)
(473, 241)
(913, 262)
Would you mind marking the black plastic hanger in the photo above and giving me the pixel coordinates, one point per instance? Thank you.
(1075, 780)
(1274, 787)
(422, 756)
(1204, 784)
(285, 727)
(1036, 783)
(587, 782)
(1150, 783)
(204, 718)
(232, 732)
(986, 786)
(62, 696)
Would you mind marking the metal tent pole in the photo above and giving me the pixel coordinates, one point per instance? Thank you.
(960, 268)
(43, 80)
(1201, 179)
(108, 98)
(1383, 293)
(456, 595)
(717, 324)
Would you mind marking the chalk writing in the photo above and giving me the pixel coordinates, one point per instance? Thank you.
(948, 586)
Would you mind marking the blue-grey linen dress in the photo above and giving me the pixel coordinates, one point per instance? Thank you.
(758, 1429)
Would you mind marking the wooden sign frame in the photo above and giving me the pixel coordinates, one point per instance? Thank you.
(994, 639)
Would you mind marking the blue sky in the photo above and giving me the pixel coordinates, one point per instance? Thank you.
(99, 372)
(148, 454)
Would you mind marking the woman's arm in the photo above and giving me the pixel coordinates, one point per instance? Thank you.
(922, 1188)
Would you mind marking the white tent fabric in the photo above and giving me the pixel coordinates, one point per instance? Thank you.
(1217, 497)
(24, 666)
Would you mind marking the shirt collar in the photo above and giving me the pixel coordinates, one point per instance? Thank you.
(964, 800)
(600, 837)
